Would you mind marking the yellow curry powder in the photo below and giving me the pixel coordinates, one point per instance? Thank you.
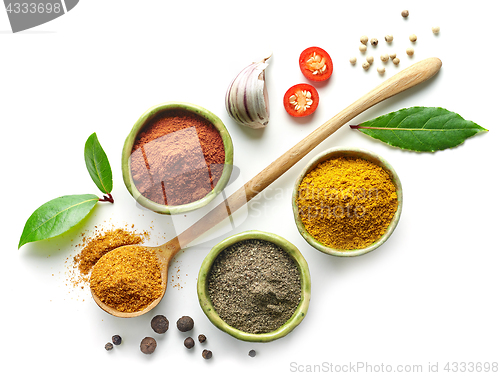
(127, 279)
(347, 203)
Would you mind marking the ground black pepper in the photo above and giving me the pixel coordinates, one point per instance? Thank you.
(254, 286)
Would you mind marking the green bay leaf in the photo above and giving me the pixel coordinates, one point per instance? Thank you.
(98, 165)
(56, 217)
(424, 129)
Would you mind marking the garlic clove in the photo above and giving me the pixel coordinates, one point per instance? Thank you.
(246, 98)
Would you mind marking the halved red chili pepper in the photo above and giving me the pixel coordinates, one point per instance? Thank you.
(316, 64)
(301, 100)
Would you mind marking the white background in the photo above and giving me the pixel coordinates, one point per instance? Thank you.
(429, 295)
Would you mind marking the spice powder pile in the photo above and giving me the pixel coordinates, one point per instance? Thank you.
(177, 158)
(347, 203)
(102, 244)
(254, 286)
(127, 279)
(96, 247)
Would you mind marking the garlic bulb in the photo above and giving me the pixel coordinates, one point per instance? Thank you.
(246, 98)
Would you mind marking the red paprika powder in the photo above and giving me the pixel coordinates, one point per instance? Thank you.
(177, 158)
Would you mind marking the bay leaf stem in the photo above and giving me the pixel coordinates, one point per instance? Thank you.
(107, 198)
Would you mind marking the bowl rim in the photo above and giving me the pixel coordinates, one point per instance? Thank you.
(129, 143)
(305, 281)
(348, 152)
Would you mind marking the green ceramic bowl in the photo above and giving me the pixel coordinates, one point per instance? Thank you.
(305, 280)
(356, 153)
(141, 123)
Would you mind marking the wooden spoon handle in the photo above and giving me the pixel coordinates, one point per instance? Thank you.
(407, 78)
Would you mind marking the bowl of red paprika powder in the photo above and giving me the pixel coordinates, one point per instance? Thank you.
(177, 158)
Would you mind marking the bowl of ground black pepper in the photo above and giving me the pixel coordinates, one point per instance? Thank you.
(178, 157)
(255, 286)
(347, 201)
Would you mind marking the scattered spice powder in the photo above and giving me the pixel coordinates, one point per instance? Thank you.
(95, 246)
(178, 158)
(347, 203)
(254, 286)
(127, 279)
(102, 244)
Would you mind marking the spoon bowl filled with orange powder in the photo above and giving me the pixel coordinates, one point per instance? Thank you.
(178, 157)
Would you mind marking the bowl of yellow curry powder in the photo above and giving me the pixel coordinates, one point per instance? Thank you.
(347, 201)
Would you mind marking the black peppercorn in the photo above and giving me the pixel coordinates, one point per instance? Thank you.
(185, 324)
(206, 354)
(108, 346)
(252, 353)
(159, 324)
(148, 345)
(117, 340)
(202, 338)
(189, 342)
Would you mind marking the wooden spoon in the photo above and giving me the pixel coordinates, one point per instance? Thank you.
(407, 78)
